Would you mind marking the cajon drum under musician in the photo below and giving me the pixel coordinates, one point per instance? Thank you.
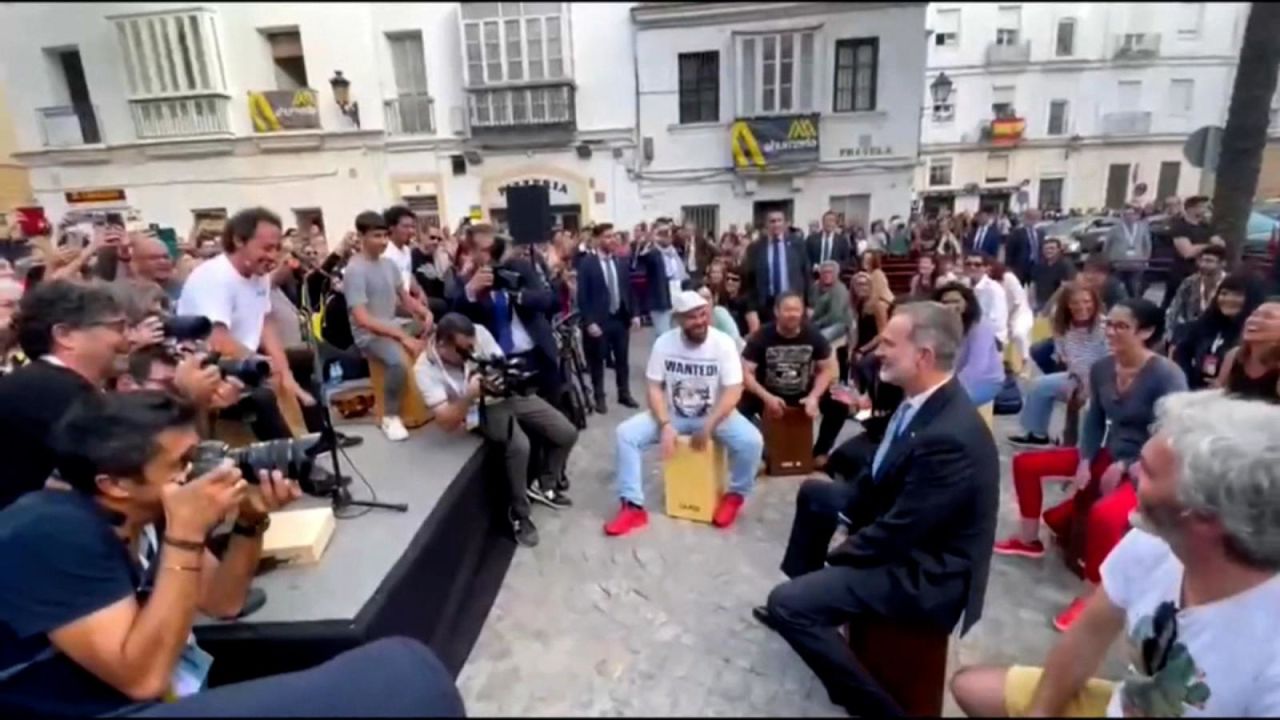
(693, 481)
(788, 442)
(414, 413)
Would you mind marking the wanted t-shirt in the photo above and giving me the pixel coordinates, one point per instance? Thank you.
(693, 375)
(785, 366)
(1225, 657)
(216, 290)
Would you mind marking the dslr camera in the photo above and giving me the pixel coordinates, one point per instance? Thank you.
(503, 377)
(293, 457)
(251, 370)
(506, 279)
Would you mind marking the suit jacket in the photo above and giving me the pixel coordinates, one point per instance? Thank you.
(991, 243)
(1021, 247)
(538, 303)
(922, 529)
(657, 285)
(593, 291)
(841, 250)
(799, 271)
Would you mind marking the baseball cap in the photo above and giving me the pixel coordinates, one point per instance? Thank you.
(686, 301)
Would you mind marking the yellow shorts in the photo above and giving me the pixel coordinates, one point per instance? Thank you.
(1020, 685)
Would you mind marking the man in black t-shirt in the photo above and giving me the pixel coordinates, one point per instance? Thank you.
(1192, 233)
(790, 363)
(1049, 274)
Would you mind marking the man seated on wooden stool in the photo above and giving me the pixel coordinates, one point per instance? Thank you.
(790, 363)
(374, 288)
(694, 385)
(920, 522)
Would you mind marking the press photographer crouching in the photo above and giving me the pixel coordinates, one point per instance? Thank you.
(469, 383)
(106, 570)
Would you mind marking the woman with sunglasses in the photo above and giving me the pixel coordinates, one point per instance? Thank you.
(1203, 348)
(1123, 391)
(738, 302)
(978, 365)
(1253, 369)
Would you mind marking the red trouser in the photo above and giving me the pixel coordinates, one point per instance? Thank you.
(1108, 519)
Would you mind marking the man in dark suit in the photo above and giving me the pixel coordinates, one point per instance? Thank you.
(512, 302)
(664, 272)
(829, 244)
(1022, 247)
(921, 519)
(604, 299)
(986, 237)
(777, 262)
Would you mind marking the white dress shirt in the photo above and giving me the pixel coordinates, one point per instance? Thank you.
(995, 306)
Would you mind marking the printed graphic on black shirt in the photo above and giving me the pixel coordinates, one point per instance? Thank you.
(693, 385)
(788, 369)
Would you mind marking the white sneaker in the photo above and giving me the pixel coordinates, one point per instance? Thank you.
(394, 429)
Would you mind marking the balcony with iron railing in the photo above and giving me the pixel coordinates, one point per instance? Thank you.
(412, 114)
(69, 126)
(181, 116)
(1137, 122)
(1135, 46)
(547, 106)
(1003, 54)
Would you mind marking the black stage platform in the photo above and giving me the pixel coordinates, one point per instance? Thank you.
(431, 573)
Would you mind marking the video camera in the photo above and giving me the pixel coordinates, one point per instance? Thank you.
(251, 370)
(503, 377)
(293, 457)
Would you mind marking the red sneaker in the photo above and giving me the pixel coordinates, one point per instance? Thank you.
(727, 510)
(1069, 616)
(1015, 546)
(629, 518)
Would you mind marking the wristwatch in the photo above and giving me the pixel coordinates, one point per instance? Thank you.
(255, 530)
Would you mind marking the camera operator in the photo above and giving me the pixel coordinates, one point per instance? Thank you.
(450, 380)
(104, 576)
(233, 290)
(74, 336)
(506, 296)
(156, 367)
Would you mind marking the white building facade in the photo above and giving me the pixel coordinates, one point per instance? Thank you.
(1076, 105)
(804, 107)
(177, 112)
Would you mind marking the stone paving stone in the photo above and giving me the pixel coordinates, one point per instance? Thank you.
(658, 623)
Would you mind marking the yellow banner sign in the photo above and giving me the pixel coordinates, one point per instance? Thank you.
(276, 110)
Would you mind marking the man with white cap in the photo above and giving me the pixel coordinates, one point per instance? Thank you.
(694, 384)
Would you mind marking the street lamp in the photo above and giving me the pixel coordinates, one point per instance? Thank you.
(940, 88)
(342, 95)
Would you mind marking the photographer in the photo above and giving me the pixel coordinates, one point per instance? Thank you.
(450, 380)
(156, 367)
(74, 336)
(233, 291)
(104, 576)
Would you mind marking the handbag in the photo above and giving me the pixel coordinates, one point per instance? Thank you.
(1009, 400)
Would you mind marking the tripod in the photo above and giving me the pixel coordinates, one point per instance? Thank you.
(339, 495)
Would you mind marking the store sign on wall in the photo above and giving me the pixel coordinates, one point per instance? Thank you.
(557, 189)
(868, 151)
(78, 197)
(764, 142)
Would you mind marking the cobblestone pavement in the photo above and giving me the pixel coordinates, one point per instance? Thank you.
(658, 623)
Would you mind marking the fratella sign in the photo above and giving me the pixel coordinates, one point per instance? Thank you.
(557, 189)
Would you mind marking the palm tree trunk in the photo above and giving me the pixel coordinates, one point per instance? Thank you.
(1245, 137)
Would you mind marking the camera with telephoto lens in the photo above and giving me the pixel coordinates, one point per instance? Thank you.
(251, 370)
(503, 377)
(509, 280)
(186, 328)
(293, 457)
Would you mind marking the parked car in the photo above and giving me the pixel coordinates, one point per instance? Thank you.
(1262, 238)
(1079, 235)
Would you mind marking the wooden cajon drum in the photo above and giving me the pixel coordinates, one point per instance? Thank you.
(909, 662)
(414, 413)
(788, 442)
(693, 481)
(988, 414)
(238, 434)
(298, 536)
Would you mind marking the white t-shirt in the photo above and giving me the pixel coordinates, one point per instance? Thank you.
(403, 260)
(694, 374)
(216, 290)
(1226, 656)
(994, 305)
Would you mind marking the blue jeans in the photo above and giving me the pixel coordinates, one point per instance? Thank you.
(743, 440)
(661, 320)
(984, 391)
(1037, 407)
(1042, 354)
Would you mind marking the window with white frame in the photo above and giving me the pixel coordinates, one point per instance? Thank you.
(514, 42)
(1065, 40)
(1181, 91)
(1008, 24)
(997, 167)
(170, 54)
(1190, 16)
(410, 112)
(1057, 118)
(1002, 101)
(939, 172)
(946, 28)
(777, 73)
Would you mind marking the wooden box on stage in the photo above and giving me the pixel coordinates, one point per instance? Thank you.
(693, 481)
(788, 442)
(414, 413)
(298, 536)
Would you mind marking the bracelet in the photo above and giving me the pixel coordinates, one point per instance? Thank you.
(183, 544)
(183, 568)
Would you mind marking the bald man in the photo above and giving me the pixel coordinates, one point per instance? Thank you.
(151, 262)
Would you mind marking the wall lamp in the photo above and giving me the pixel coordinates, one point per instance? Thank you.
(342, 95)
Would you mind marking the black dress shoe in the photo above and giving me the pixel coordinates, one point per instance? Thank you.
(764, 617)
(628, 402)
(601, 406)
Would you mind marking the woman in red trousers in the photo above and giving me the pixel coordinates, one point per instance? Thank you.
(1123, 390)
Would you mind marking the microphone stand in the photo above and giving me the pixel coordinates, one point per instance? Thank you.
(339, 495)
